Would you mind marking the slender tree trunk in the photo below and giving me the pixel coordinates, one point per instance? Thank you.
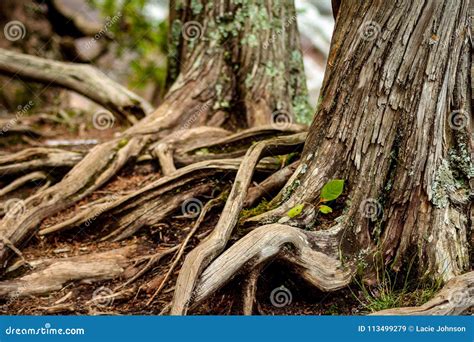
(395, 122)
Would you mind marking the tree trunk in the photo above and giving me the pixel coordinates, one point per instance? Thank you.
(394, 123)
(256, 47)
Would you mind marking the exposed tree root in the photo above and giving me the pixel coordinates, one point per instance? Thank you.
(19, 182)
(456, 297)
(274, 182)
(313, 253)
(52, 274)
(164, 154)
(205, 252)
(209, 205)
(232, 146)
(145, 197)
(250, 290)
(82, 78)
(153, 260)
(152, 212)
(38, 158)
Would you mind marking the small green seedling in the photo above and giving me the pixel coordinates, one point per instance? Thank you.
(330, 192)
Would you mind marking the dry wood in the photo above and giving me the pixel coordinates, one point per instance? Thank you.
(82, 78)
(153, 260)
(152, 212)
(269, 185)
(202, 215)
(232, 146)
(52, 274)
(145, 196)
(206, 251)
(38, 158)
(456, 297)
(19, 182)
(250, 290)
(164, 153)
(306, 250)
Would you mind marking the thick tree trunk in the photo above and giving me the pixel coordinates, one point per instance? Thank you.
(394, 122)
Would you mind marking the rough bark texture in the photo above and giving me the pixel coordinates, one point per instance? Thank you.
(257, 47)
(394, 123)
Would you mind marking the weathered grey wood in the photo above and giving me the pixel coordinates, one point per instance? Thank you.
(82, 78)
(52, 274)
(456, 297)
(206, 251)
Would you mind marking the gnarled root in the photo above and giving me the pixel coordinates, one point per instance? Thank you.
(205, 252)
(304, 249)
(37, 158)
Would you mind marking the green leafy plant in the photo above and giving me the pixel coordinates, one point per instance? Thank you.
(330, 192)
